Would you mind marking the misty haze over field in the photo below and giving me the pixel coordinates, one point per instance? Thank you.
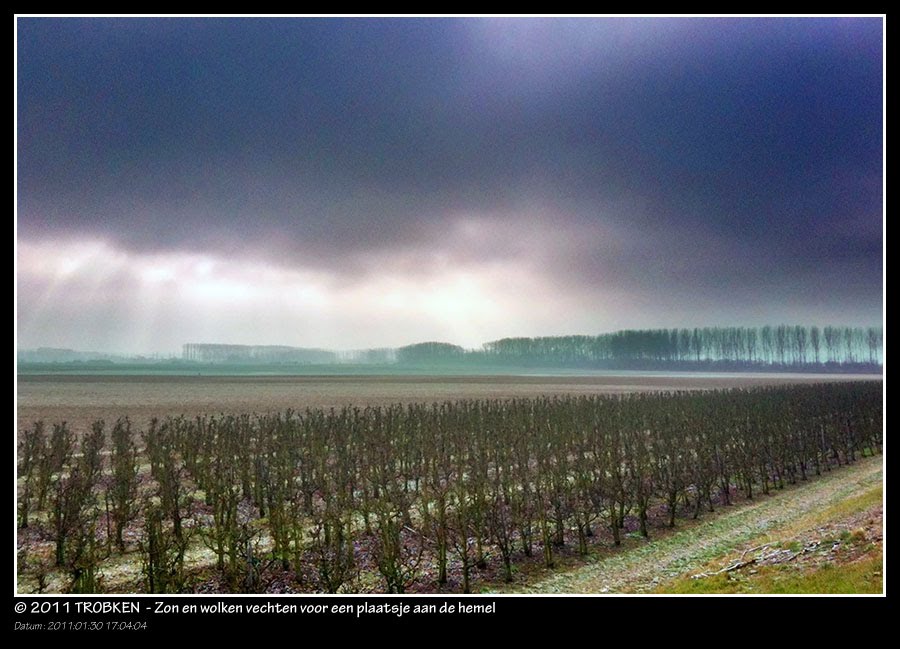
(366, 183)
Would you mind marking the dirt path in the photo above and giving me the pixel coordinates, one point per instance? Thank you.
(642, 567)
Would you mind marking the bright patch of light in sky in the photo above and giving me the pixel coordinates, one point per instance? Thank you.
(182, 297)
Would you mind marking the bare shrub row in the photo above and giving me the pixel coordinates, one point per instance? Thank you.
(416, 493)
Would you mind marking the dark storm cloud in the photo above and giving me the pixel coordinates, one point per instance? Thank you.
(698, 156)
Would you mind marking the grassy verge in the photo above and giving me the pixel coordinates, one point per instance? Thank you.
(861, 576)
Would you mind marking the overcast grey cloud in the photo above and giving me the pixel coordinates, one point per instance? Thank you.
(367, 182)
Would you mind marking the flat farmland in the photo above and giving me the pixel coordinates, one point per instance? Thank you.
(80, 400)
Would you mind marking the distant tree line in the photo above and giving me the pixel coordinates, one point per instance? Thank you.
(62, 355)
(769, 347)
(416, 493)
(782, 345)
(217, 353)
(430, 352)
(375, 356)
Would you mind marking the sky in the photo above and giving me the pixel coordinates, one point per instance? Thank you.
(356, 183)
